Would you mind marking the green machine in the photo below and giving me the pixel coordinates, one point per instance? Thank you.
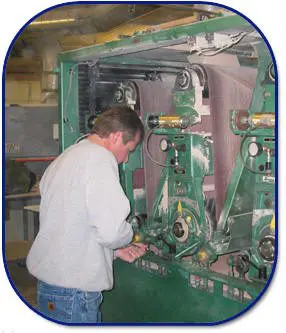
(202, 185)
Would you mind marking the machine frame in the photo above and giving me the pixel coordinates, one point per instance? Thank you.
(246, 230)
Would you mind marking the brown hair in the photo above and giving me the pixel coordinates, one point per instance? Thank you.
(118, 119)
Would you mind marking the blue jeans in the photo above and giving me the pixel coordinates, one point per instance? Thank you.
(69, 305)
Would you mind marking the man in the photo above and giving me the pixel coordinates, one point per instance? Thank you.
(83, 224)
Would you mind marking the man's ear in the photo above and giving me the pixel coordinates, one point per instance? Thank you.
(116, 137)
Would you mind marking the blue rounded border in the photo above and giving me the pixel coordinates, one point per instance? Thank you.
(276, 162)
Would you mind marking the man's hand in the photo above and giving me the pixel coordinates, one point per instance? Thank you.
(131, 252)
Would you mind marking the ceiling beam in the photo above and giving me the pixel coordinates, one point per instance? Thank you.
(93, 18)
(146, 22)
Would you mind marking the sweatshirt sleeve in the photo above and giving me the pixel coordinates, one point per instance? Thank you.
(108, 207)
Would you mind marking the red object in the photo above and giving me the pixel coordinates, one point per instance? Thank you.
(35, 159)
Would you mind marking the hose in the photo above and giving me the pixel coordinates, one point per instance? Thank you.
(146, 146)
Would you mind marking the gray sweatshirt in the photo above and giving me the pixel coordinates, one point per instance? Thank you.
(83, 214)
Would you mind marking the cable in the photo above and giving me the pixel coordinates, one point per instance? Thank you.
(146, 145)
(227, 46)
(235, 40)
(66, 119)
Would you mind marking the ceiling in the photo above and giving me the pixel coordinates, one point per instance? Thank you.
(74, 26)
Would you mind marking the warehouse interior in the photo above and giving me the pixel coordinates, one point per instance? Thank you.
(203, 81)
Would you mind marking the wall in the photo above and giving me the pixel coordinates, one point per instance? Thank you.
(23, 92)
(28, 124)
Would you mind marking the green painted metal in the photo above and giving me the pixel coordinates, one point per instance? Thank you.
(143, 297)
(184, 187)
(173, 282)
(133, 60)
(68, 104)
(152, 40)
(260, 181)
(239, 202)
(126, 171)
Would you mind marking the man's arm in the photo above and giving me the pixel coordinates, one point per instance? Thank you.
(108, 207)
(131, 252)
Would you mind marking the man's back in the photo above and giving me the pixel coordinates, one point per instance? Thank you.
(77, 230)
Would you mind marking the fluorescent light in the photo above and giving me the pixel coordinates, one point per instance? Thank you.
(53, 21)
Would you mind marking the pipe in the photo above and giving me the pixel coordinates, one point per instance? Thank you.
(49, 79)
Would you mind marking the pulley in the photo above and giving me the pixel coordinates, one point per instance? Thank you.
(180, 229)
(126, 94)
(193, 76)
(266, 248)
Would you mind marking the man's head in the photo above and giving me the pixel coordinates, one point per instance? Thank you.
(121, 129)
